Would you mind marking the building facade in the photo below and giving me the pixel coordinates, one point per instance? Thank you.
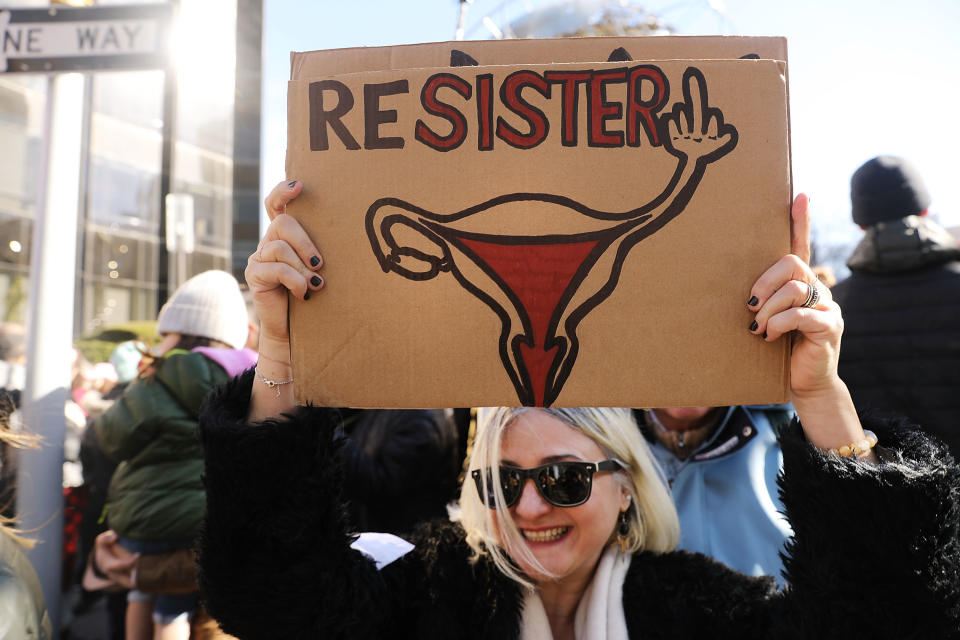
(193, 132)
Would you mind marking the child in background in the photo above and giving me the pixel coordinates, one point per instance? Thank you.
(156, 497)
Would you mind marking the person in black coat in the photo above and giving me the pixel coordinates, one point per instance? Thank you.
(564, 528)
(901, 303)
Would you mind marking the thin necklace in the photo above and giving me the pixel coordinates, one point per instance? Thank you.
(677, 441)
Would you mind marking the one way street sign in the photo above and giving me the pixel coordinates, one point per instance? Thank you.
(84, 39)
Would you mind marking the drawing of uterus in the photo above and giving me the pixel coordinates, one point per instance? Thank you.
(541, 284)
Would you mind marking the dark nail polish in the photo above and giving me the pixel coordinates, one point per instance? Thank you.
(754, 325)
(764, 335)
(753, 301)
(316, 281)
(314, 261)
(292, 184)
(306, 296)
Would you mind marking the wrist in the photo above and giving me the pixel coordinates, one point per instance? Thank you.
(828, 416)
(832, 390)
(272, 393)
(275, 356)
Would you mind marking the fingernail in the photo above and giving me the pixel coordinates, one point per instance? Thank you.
(292, 184)
(754, 326)
(314, 261)
(306, 296)
(753, 301)
(764, 335)
(316, 281)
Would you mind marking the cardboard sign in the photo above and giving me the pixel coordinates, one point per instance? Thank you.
(540, 233)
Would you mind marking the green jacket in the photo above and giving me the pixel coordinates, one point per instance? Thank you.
(22, 612)
(156, 493)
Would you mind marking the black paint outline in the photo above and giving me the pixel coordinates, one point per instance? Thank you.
(676, 129)
(652, 134)
(466, 94)
(571, 114)
(486, 126)
(619, 75)
(501, 122)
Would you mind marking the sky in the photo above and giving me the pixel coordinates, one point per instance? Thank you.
(867, 77)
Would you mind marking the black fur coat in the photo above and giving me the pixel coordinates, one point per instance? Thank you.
(876, 552)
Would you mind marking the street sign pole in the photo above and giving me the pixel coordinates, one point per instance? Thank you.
(50, 333)
(167, 153)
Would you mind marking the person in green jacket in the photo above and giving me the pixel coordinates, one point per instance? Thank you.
(155, 501)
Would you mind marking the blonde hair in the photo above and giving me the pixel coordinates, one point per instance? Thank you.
(17, 440)
(653, 523)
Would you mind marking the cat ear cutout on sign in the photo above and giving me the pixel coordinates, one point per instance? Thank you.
(460, 59)
(620, 55)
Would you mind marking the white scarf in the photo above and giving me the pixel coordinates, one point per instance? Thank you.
(600, 612)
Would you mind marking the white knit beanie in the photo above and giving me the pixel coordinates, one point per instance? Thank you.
(208, 305)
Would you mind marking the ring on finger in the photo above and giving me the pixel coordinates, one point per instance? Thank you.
(813, 296)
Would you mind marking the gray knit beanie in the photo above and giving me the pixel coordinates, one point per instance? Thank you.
(208, 305)
(886, 188)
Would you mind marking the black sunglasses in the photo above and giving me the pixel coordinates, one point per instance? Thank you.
(562, 484)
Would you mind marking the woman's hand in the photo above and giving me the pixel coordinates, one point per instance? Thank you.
(821, 399)
(285, 262)
(781, 292)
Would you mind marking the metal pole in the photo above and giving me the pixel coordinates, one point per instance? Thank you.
(246, 135)
(167, 152)
(50, 333)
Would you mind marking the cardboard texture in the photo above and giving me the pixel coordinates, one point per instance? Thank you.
(559, 233)
(312, 64)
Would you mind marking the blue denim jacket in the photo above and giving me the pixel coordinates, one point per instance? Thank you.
(726, 492)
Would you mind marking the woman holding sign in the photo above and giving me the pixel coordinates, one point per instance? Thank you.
(564, 529)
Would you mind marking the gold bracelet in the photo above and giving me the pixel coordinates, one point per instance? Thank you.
(859, 449)
(273, 384)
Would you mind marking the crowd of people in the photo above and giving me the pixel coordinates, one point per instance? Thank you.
(214, 505)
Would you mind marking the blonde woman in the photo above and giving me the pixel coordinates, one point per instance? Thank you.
(23, 613)
(564, 529)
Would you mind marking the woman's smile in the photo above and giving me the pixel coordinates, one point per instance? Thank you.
(544, 536)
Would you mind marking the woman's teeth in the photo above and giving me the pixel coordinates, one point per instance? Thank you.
(544, 535)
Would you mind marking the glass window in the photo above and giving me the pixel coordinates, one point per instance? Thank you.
(135, 97)
(120, 277)
(123, 196)
(22, 104)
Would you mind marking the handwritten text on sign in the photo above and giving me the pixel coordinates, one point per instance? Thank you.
(647, 93)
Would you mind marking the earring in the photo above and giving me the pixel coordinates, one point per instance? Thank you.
(623, 529)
